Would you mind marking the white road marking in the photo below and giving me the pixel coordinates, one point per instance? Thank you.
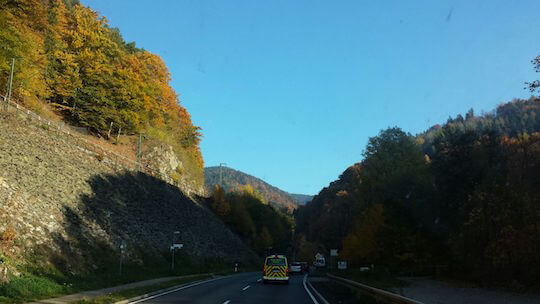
(259, 280)
(317, 293)
(307, 290)
(175, 290)
(245, 288)
(227, 302)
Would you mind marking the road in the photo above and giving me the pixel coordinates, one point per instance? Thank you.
(240, 288)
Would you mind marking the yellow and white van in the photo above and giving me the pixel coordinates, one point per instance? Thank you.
(276, 269)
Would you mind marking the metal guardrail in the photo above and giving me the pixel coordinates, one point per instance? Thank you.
(379, 294)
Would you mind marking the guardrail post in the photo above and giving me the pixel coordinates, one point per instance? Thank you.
(110, 129)
(118, 136)
(138, 167)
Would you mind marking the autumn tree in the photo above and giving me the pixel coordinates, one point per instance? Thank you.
(22, 24)
(70, 62)
(62, 70)
(264, 240)
(219, 204)
(242, 222)
(360, 246)
(305, 250)
(259, 224)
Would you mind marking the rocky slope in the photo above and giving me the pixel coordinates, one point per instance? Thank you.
(75, 206)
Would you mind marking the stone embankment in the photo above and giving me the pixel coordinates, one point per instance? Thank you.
(59, 199)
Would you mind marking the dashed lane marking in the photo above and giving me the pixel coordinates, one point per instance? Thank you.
(259, 280)
(227, 302)
(245, 288)
(175, 290)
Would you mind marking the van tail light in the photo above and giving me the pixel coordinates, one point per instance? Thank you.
(287, 271)
(264, 271)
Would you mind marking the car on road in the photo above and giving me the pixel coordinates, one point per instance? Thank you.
(295, 268)
(305, 266)
(276, 269)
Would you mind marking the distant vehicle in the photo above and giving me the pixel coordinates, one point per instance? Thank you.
(276, 269)
(295, 268)
(320, 261)
(305, 266)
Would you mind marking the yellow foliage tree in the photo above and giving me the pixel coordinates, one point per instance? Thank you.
(305, 250)
(68, 55)
(360, 245)
(219, 204)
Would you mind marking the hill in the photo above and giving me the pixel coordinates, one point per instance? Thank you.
(234, 180)
(302, 199)
(463, 194)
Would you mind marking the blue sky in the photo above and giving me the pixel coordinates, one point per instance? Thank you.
(290, 90)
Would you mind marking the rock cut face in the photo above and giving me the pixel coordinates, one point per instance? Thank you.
(168, 167)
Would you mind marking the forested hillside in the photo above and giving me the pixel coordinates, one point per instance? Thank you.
(234, 180)
(259, 224)
(465, 195)
(70, 64)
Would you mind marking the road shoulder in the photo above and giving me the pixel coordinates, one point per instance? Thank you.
(91, 294)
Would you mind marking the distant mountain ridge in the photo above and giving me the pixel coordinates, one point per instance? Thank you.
(302, 199)
(235, 180)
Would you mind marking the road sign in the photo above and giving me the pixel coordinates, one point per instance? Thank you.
(177, 246)
(333, 252)
(341, 265)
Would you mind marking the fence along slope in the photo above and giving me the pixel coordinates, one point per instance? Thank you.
(80, 141)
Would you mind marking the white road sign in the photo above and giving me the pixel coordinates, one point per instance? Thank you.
(177, 246)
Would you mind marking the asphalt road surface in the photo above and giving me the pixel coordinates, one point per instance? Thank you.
(240, 288)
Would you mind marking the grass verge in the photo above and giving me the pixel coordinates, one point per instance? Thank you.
(130, 293)
(37, 281)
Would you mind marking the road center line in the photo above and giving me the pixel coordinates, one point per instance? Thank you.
(245, 288)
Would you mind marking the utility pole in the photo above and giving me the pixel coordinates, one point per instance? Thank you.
(139, 152)
(221, 174)
(173, 248)
(10, 84)
(122, 247)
